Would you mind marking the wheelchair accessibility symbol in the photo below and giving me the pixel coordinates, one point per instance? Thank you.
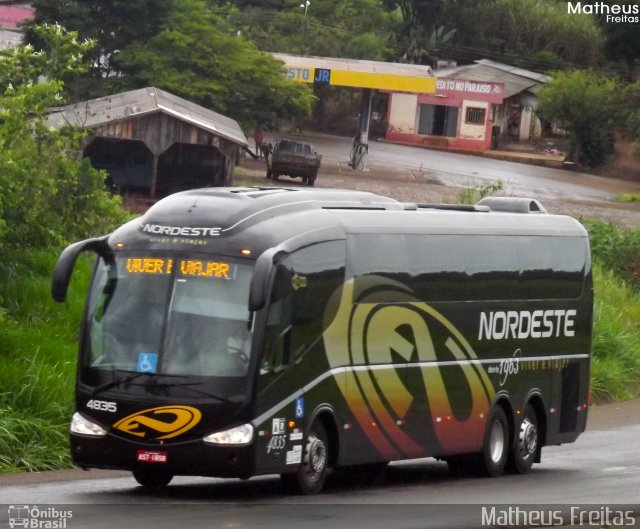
(299, 407)
(147, 362)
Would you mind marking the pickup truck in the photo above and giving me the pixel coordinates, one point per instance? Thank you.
(294, 159)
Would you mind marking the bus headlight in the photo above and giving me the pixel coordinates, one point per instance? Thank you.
(83, 426)
(240, 435)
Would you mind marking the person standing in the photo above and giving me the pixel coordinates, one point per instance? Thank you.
(266, 151)
(258, 137)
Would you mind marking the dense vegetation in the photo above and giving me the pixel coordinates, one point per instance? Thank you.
(48, 193)
(616, 341)
(48, 197)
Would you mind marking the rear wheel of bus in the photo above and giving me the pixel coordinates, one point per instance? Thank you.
(495, 447)
(526, 443)
(313, 470)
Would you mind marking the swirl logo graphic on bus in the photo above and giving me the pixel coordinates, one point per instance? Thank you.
(163, 422)
(419, 377)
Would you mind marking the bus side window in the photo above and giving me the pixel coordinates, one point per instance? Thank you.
(277, 334)
(303, 284)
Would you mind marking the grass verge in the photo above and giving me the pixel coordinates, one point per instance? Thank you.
(615, 367)
(38, 347)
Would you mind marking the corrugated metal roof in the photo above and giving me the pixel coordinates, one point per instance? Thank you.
(535, 76)
(515, 80)
(122, 106)
(355, 65)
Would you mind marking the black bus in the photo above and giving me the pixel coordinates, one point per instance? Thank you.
(244, 331)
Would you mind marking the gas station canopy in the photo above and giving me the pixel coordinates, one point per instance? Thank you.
(354, 73)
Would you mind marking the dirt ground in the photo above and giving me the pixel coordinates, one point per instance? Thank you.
(625, 215)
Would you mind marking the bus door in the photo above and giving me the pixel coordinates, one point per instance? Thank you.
(293, 375)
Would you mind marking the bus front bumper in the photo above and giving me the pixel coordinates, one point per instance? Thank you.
(189, 458)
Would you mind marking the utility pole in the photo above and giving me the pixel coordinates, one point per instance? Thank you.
(305, 26)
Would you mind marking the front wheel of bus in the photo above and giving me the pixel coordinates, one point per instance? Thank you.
(152, 480)
(495, 448)
(312, 472)
(526, 443)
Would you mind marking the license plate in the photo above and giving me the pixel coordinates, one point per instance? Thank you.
(151, 456)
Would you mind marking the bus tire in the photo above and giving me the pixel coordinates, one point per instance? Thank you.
(495, 447)
(152, 480)
(312, 472)
(526, 443)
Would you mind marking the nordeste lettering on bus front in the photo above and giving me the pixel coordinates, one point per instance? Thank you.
(181, 231)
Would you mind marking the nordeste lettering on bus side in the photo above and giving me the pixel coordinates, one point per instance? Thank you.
(523, 324)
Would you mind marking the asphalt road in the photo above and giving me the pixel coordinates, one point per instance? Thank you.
(598, 476)
(463, 170)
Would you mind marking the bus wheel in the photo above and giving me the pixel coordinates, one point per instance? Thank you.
(152, 480)
(312, 472)
(495, 448)
(526, 443)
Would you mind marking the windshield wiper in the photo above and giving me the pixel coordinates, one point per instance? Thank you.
(117, 382)
(133, 376)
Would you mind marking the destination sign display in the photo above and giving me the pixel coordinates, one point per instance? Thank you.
(186, 267)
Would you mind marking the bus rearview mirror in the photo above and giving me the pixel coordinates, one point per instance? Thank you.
(259, 289)
(66, 262)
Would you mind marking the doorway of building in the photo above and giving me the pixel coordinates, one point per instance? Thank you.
(438, 120)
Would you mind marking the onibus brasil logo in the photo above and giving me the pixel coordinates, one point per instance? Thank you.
(38, 517)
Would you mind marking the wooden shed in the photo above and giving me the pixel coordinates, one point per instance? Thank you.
(150, 141)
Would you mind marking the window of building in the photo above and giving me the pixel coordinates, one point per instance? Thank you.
(475, 116)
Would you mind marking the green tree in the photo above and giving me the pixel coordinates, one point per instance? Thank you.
(512, 31)
(584, 104)
(356, 29)
(111, 24)
(528, 27)
(630, 114)
(196, 57)
(47, 194)
(420, 46)
(622, 40)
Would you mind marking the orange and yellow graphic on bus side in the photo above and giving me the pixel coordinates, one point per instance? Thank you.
(187, 267)
(386, 339)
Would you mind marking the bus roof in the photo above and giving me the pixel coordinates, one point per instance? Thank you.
(265, 217)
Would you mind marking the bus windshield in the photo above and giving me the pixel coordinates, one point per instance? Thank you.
(171, 315)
